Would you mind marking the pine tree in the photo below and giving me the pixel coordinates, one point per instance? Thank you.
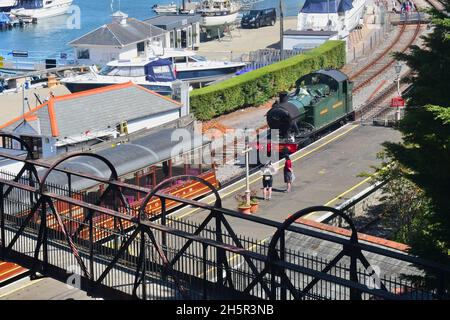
(425, 149)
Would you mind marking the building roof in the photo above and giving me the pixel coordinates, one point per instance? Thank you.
(119, 35)
(173, 21)
(93, 110)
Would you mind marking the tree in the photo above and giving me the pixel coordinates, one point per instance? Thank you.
(424, 152)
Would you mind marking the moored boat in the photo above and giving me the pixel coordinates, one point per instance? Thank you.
(156, 75)
(165, 8)
(40, 9)
(7, 5)
(191, 67)
(218, 12)
(331, 15)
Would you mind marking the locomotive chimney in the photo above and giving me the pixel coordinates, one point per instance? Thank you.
(283, 96)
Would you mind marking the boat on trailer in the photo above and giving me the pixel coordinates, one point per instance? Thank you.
(331, 15)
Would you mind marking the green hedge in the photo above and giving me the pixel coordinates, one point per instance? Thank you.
(259, 86)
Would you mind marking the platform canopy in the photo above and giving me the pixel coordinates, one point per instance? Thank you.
(326, 6)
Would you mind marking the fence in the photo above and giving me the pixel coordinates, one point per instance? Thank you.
(35, 60)
(169, 258)
(381, 18)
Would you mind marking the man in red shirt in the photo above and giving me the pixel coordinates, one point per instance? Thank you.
(288, 172)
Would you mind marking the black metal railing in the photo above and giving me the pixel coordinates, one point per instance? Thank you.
(119, 252)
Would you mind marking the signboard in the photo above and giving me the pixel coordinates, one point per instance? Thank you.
(1, 62)
(397, 102)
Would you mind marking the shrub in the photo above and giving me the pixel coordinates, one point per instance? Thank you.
(259, 86)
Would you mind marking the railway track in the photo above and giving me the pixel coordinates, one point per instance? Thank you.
(438, 5)
(366, 75)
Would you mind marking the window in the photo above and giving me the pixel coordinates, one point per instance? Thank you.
(141, 47)
(108, 71)
(137, 72)
(162, 72)
(179, 59)
(172, 39)
(83, 54)
(35, 144)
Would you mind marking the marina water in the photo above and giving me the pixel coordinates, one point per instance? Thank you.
(52, 35)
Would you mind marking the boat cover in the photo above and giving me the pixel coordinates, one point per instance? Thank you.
(151, 75)
(326, 6)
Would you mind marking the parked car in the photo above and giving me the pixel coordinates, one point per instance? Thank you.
(259, 18)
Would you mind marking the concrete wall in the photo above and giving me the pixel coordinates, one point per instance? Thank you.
(101, 55)
(153, 121)
(305, 42)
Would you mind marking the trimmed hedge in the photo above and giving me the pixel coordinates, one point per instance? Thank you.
(259, 86)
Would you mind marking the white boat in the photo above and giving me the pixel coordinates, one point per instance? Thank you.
(194, 68)
(40, 9)
(6, 5)
(155, 74)
(331, 15)
(218, 12)
(165, 8)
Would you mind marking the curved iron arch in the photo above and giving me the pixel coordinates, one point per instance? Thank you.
(22, 143)
(289, 221)
(114, 175)
(162, 184)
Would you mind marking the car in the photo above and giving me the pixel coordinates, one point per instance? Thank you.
(259, 18)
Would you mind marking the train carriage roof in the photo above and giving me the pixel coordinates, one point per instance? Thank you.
(136, 154)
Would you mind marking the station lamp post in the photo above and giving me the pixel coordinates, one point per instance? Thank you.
(398, 69)
(247, 151)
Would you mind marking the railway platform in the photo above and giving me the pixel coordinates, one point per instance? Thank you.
(327, 172)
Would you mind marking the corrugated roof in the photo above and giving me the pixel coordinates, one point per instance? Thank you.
(119, 35)
(95, 110)
(138, 153)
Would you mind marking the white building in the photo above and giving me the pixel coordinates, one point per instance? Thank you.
(123, 39)
(183, 31)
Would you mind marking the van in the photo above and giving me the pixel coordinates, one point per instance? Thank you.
(259, 18)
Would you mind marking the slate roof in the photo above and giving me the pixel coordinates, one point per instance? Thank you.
(94, 110)
(119, 35)
(173, 21)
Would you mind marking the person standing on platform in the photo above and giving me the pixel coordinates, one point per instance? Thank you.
(267, 175)
(288, 173)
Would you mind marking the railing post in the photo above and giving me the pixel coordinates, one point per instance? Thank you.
(282, 258)
(205, 271)
(219, 252)
(2, 220)
(91, 247)
(144, 265)
(44, 235)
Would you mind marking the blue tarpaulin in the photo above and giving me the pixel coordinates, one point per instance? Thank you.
(326, 6)
(4, 18)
